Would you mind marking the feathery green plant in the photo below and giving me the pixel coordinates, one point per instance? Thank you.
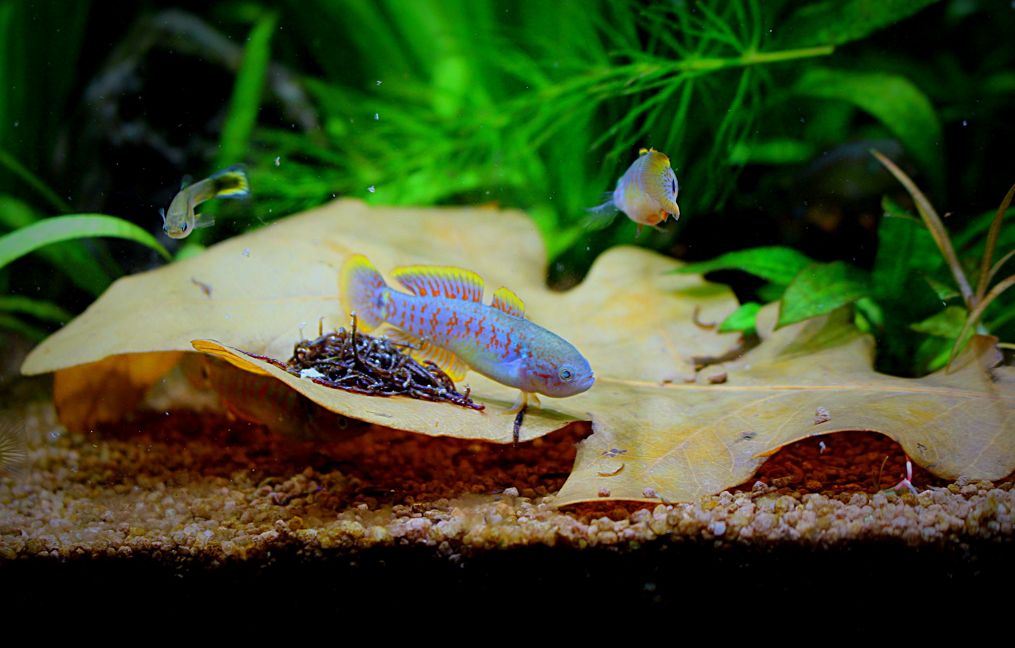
(543, 105)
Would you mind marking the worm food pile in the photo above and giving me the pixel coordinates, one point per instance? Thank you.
(365, 364)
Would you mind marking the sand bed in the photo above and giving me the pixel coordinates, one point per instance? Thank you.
(180, 491)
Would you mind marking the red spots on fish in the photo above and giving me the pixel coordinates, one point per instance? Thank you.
(423, 307)
(467, 325)
(480, 328)
(451, 324)
(544, 376)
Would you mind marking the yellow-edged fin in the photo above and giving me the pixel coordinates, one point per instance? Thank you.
(441, 281)
(231, 183)
(423, 351)
(359, 285)
(505, 300)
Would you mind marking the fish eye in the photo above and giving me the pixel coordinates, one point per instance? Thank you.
(185, 226)
(565, 374)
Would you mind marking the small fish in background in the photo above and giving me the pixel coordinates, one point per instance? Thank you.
(265, 401)
(647, 192)
(445, 321)
(13, 451)
(181, 220)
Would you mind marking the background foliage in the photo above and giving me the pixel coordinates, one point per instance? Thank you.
(766, 109)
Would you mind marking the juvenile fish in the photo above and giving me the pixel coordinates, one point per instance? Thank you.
(264, 400)
(181, 220)
(446, 322)
(647, 192)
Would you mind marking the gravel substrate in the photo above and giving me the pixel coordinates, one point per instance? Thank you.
(186, 492)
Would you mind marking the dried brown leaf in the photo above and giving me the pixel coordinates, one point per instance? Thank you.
(661, 429)
(816, 377)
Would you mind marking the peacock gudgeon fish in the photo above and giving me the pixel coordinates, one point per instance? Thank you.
(445, 321)
(647, 192)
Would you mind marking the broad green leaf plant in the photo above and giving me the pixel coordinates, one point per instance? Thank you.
(921, 322)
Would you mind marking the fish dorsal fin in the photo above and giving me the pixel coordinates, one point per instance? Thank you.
(507, 301)
(423, 351)
(440, 281)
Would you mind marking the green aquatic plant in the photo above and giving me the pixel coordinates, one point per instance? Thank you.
(920, 322)
(70, 243)
(64, 228)
(542, 106)
(51, 231)
(32, 108)
(246, 98)
(539, 106)
(975, 301)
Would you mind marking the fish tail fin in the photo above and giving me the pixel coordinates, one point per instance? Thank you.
(231, 182)
(362, 291)
(602, 214)
(606, 208)
(13, 449)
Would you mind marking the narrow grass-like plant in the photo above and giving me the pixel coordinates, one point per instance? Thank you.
(976, 301)
(65, 228)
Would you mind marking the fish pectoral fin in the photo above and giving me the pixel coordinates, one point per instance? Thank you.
(423, 351)
(201, 221)
(523, 400)
(505, 300)
(441, 281)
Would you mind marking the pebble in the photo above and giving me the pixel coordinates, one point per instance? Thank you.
(213, 505)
